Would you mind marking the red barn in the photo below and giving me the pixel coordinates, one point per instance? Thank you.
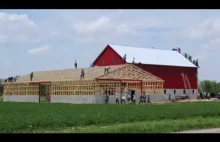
(179, 73)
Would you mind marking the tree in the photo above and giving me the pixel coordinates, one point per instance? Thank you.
(209, 86)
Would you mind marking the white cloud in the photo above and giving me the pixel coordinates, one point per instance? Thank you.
(40, 50)
(100, 25)
(100, 29)
(15, 27)
(209, 28)
(104, 28)
(20, 28)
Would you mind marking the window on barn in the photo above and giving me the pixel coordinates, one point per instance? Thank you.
(184, 91)
(114, 61)
(103, 62)
(165, 91)
(193, 91)
(174, 91)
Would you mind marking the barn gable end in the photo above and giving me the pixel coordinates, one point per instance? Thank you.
(166, 64)
(130, 72)
(108, 57)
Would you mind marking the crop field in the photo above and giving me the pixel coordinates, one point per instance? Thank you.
(45, 117)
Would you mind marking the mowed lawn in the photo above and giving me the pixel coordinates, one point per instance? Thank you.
(46, 117)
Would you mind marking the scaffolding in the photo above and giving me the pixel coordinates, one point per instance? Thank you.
(118, 79)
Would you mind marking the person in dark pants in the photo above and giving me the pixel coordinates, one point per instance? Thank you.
(129, 98)
(144, 99)
(169, 97)
(117, 100)
(107, 99)
(141, 99)
(133, 100)
(124, 58)
(148, 100)
(82, 74)
(31, 75)
(75, 64)
(123, 98)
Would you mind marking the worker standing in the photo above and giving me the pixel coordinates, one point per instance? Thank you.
(75, 64)
(31, 76)
(82, 74)
(148, 100)
(129, 98)
(117, 99)
(124, 58)
(123, 99)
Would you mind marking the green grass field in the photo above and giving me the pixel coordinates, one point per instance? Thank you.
(45, 117)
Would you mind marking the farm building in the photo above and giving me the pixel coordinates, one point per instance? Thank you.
(178, 72)
(69, 86)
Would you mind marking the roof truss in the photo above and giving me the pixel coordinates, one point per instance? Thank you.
(130, 72)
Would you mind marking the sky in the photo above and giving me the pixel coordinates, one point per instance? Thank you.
(36, 40)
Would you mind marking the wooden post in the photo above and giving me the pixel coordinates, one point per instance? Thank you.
(120, 91)
(39, 92)
(50, 92)
(141, 86)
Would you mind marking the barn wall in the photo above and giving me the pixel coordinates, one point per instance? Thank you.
(21, 98)
(108, 56)
(172, 75)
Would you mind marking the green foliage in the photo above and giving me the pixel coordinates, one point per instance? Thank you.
(20, 117)
(209, 86)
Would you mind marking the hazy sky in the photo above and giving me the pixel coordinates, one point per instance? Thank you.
(34, 40)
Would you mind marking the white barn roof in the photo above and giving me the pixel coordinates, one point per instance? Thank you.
(152, 56)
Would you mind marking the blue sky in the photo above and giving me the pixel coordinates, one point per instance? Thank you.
(34, 40)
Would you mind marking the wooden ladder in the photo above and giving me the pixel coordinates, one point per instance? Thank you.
(184, 77)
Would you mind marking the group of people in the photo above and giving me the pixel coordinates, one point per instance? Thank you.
(145, 99)
(130, 99)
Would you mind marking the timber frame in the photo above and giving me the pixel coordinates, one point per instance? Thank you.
(128, 77)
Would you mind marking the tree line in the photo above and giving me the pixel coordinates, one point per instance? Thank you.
(209, 86)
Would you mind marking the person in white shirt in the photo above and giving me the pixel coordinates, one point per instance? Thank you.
(123, 99)
(134, 100)
(129, 98)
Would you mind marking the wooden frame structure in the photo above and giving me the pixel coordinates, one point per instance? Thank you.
(127, 77)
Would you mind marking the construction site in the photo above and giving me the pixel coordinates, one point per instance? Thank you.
(83, 85)
(117, 71)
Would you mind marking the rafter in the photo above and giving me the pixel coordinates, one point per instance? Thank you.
(126, 76)
(131, 72)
